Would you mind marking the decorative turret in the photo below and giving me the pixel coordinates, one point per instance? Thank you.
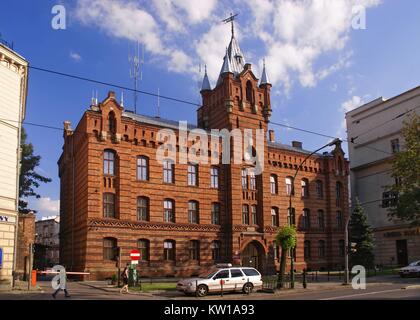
(206, 83)
(264, 77)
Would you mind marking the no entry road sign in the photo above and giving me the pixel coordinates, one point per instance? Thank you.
(135, 255)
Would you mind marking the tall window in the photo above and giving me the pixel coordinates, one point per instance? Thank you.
(341, 248)
(215, 213)
(306, 219)
(112, 123)
(193, 212)
(319, 189)
(245, 214)
(321, 249)
(275, 217)
(321, 220)
(395, 145)
(194, 250)
(214, 177)
(244, 178)
(305, 188)
(339, 219)
(143, 246)
(143, 209)
(169, 250)
(110, 249)
(249, 93)
(168, 171)
(192, 175)
(273, 184)
(291, 217)
(254, 218)
(289, 186)
(142, 168)
(252, 181)
(168, 210)
(338, 194)
(109, 162)
(215, 250)
(306, 249)
(109, 205)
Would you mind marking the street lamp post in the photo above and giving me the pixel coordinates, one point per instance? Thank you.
(346, 257)
(336, 142)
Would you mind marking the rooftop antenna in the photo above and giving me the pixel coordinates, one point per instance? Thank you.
(122, 99)
(231, 19)
(158, 104)
(136, 70)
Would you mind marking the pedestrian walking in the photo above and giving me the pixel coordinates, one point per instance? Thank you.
(124, 276)
(61, 279)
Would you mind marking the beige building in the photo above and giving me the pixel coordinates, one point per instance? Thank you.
(376, 130)
(47, 239)
(13, 92)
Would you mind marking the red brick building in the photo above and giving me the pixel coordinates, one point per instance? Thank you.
(185, 217)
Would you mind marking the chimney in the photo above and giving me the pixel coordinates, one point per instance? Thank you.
(271, 136)
(297, 144)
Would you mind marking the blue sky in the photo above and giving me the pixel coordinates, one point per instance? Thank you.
(319, 65)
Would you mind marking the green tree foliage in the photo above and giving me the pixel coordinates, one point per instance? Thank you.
(361, 234)
(29, 179)
(406, 170)
(286, 239)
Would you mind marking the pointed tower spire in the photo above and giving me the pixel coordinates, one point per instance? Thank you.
(264, 77)
(206, 83)
(226, 67)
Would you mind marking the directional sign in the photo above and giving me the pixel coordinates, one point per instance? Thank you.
(135, 255)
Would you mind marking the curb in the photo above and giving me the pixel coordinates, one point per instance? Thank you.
(415, 286)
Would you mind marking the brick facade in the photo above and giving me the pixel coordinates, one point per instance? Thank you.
(236, 103)
(26, 236)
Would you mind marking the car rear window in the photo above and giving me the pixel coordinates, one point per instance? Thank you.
(236, 273)
(251, 272)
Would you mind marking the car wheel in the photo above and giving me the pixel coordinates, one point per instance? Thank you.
(247, 288)
(202, 290)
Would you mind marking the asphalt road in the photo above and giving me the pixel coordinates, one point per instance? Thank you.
(379, 288)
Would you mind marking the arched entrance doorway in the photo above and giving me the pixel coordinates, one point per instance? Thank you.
(253, 256)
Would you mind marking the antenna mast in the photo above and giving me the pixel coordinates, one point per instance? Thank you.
(136, 70)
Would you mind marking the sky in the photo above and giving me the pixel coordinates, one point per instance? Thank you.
(323, 57)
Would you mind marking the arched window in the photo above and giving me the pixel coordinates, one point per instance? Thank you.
(321, 220)
(249, 92)
(109, 205)
(273, 184)
(168, 210)
(306, 219)
(109, 162)
(143, 209)
(193, 215)
(110, 249)
(305, 188)
(306, 249)
(275, 217)
(142, 168)
(289, 186)
(319, 189)
(143, 245)
(169, 250)
(194, 250)
(291, 216)
(112, 122)
(321, 249)
(215, 250)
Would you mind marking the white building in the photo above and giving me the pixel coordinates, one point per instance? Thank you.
(376, 130)
(47, 236)
(13, 92)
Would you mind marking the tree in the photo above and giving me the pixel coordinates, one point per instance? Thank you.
(406, 172)
(361, 234)
(286, 239)
(29, 179)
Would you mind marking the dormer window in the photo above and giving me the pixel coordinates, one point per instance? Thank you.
(249, 92)
(112, 123)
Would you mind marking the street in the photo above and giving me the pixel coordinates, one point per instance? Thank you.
(378, 288)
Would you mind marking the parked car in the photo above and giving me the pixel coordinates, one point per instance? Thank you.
(224, 277)
(413, 269)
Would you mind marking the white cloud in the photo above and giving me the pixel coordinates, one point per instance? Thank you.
(346, 106)
(294, 34)
(75, 56)
(45, 206)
